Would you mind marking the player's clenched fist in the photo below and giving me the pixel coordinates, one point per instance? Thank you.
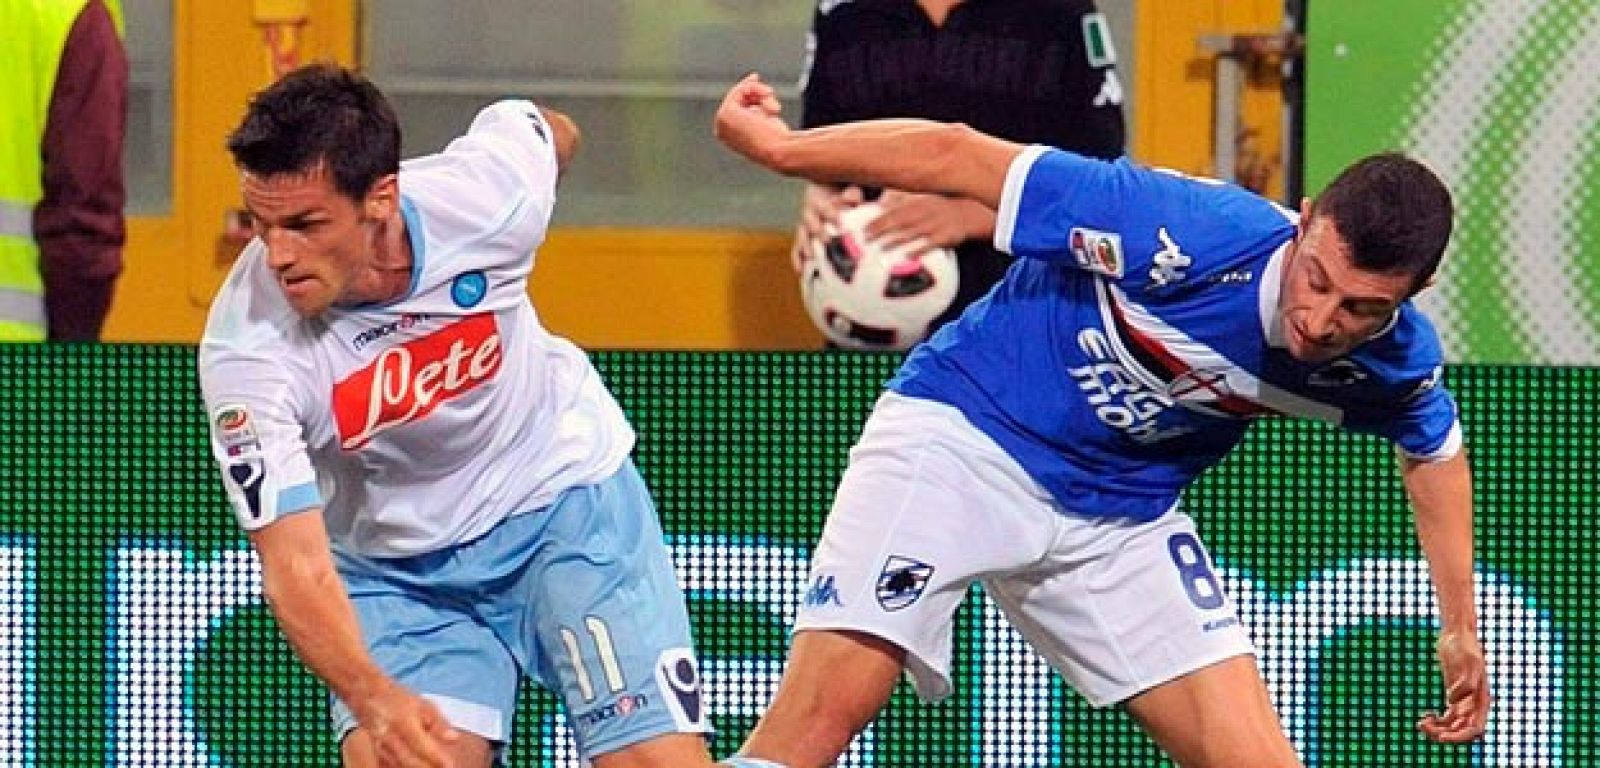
(748, 119)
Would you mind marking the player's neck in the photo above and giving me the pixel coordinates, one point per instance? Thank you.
(938, 10)
(392, 260)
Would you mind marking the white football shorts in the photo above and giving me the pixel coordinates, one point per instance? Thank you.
(929, 504)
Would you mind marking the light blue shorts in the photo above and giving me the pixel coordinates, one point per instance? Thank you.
(579, 596)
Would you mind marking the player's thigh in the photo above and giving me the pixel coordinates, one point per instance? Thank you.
(834, 683)
(356, 750)
(1120, 606)
(926, 504)
(598, 615)
(1218, 716)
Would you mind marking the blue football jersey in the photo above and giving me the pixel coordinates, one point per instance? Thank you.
(1136, 337)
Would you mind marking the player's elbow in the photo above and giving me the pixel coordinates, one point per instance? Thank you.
(567, 136)
(944, 154)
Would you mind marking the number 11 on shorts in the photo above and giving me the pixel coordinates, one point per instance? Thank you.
(601, 634)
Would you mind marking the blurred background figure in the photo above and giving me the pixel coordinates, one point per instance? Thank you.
(1031, 71)
(63, 112)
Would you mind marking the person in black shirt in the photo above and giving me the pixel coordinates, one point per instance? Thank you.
(1031, 71)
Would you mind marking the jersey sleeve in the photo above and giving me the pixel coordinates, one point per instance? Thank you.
(256, 438)
(1145, 228)
(1410, 405)
(491, 190)
(1428, 425)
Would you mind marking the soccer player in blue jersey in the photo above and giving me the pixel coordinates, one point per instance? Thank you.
(1039, 443)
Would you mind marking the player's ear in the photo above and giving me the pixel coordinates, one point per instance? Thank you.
(382, 199)
(1305, 218)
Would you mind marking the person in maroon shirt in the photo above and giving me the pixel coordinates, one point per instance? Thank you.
(79, 223)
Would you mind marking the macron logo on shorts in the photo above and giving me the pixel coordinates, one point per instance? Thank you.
(409, 380)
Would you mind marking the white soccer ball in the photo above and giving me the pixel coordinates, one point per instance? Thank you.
(864, 296)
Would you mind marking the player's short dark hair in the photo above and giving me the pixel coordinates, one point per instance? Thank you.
(1394, 212)
(320, 113)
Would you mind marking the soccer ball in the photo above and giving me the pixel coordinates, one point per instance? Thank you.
(863, 296)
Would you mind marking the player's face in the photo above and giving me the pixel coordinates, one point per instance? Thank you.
(1328, 305)
(320, 243)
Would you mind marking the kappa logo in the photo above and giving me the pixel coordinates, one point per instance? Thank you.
(1428, 384)
(1097, 251)
(902, 581)
(1110, 94)
(822, 592)
(1339, 373)
(1170, 262)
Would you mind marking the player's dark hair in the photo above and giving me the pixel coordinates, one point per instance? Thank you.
(1394, 213)
(320, 113)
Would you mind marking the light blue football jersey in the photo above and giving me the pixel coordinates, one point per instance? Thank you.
(1135, 338)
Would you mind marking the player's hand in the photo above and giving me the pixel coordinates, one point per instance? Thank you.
(748, 120)
(1466, 712)
(407, 731)
(819, 209)
(934, 219)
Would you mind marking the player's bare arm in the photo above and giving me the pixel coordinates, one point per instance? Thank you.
(567, 138)
(907, 154)
(1441, 495)
(308, 600)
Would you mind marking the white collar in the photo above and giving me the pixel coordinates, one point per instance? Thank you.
(1271, 288)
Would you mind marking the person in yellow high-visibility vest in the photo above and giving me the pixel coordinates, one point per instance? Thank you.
(63, 111)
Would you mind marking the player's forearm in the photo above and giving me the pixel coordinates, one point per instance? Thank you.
(977, 219)
(907, 154)
(316, 619)
(1441, 497)
(309, 602)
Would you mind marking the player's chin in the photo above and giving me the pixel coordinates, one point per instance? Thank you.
(308, 306)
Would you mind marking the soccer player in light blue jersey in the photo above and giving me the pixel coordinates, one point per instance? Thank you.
(1039, 444)
(440, 492)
